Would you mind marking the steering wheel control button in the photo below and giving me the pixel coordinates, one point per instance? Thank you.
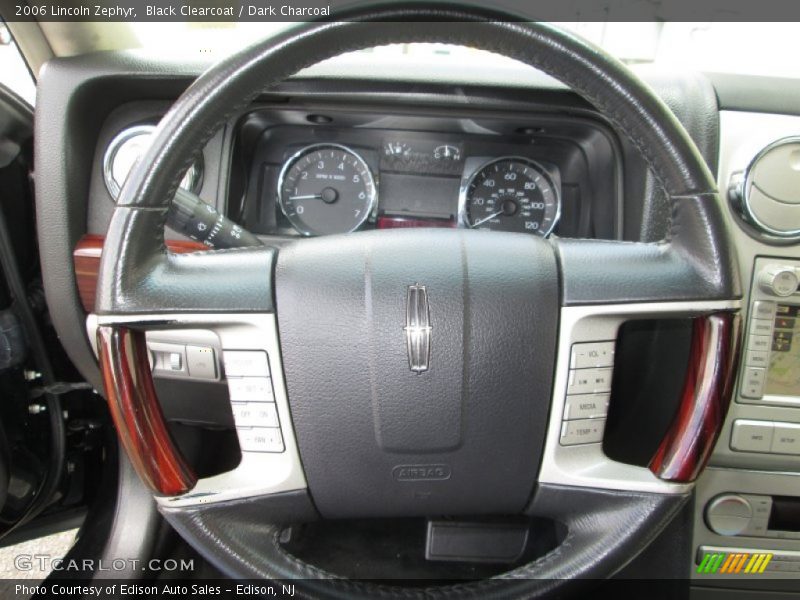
(246, 363)
(255, 414)
(586, 406)
(753, 382)
(589, 381)
(260, 439)
(593, 354)
(201, 362)
(729, 514)
(250, 389)
(786, 438)
(752, 436)
(582, 431)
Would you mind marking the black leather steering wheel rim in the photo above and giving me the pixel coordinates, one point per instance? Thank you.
(138, 276)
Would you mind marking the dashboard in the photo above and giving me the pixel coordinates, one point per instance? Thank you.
(301, 173)
(325, 157)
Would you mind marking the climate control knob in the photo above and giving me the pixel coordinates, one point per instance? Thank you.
(779, 280)
(728, 514)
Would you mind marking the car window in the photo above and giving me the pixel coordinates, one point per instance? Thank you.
(740, 48)
(14, 73)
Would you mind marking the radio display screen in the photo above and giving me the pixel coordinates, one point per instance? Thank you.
(783, 375)
(785, 514)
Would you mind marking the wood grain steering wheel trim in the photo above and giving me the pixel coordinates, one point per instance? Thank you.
(137, 414)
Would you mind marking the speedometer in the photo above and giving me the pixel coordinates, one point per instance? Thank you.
(326, 188)
(511, 194)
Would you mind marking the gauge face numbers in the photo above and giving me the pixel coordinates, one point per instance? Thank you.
(511, 194)
(126, 148)
(326, 188)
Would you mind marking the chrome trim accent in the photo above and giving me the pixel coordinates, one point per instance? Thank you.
(418, 328)
(470, 174)
(372, 207)
(191, 181)
(586, 465)
(747, 183)
(258, 473)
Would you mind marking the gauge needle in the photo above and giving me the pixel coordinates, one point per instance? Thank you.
(307, 197)
(491, 216)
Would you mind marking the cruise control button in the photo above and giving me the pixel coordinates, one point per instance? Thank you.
(589, 381)
(255, 414)
(751, 436)
(592, 354)
(260, 439)
(586, 406)
(786, 438)
(582, 431)
(251, 389)
(753, 382)
(246, 363)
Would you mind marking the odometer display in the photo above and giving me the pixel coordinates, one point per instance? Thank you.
(511, 194)
(326, 188)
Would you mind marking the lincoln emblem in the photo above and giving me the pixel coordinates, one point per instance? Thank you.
(418, 328)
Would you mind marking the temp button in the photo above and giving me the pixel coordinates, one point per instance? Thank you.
(582, 431)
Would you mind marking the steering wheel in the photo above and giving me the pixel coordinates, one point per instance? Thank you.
(419, 372)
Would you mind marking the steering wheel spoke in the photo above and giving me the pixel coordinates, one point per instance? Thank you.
(251, 364)
(574, 455)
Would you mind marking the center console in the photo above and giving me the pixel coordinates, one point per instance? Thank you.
(747, 517)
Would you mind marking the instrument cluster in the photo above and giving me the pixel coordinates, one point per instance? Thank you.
(295, 173)
(327, 188)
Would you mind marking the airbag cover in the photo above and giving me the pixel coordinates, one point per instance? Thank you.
(462, 437)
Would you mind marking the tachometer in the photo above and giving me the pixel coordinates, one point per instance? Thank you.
(511, 194)
(326, 188)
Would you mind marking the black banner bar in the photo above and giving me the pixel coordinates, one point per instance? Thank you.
(304, 10)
